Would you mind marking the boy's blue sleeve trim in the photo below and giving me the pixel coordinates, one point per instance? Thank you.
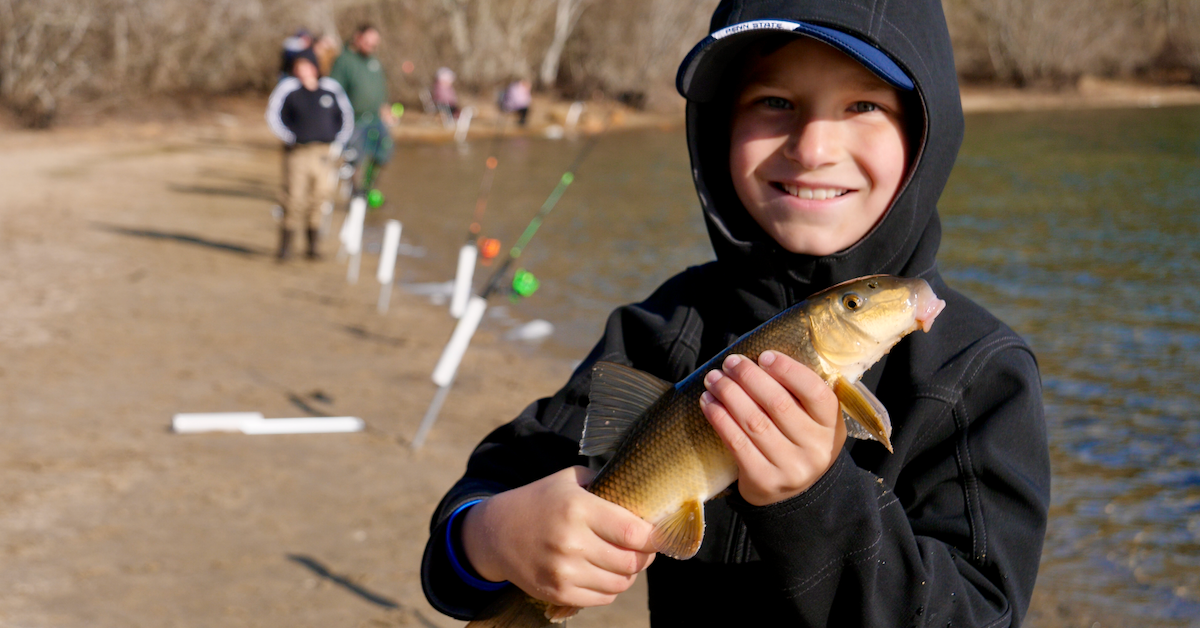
(478, 583)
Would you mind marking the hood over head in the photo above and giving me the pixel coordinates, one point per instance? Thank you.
(906, 44)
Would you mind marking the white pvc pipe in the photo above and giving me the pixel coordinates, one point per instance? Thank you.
(452, 354)
(387, 263)
(306, 425)
(352, 228)
(197, 422)
(463, 125)
(387, 255)
(462, 279)
(573, 113)
(351, 235)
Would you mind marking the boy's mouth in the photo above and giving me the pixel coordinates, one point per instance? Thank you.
(811, 194)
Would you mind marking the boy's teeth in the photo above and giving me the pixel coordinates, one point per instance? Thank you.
(818, 194)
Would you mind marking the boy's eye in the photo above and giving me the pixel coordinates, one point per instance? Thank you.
(775, 102)
(863, 106)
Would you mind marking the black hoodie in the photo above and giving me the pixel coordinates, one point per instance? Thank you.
(945, 531)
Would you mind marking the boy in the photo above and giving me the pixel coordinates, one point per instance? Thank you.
(821, 135)
(314, 119)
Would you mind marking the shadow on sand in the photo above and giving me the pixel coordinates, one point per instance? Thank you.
(322, 571)
(181, 237)
(244, 192)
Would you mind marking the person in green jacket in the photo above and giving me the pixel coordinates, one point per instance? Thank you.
(361, 75)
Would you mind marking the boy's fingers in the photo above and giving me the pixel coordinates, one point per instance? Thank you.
(805, 385)
(620, 562)
(766, 411)
(732, 386)
(747, 454)
(621, 528)
(583, 475)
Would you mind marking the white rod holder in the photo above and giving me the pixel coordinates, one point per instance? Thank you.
(387, 263)
(462, 279)
(351, 235)
(452, 354)
(431, 415)
(463, 124)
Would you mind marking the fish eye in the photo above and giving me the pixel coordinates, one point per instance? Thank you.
(852, 301)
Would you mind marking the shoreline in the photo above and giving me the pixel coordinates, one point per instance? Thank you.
(241, 116)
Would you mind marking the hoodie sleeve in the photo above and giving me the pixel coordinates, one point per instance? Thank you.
(544, 438)
(957, 542)
(276, 117)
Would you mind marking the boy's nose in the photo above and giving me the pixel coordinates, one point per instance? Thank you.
(812, 144)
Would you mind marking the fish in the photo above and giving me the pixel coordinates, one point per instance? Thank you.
(667, 461)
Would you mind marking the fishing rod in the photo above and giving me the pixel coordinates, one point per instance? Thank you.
(524, 284)
(531, 229)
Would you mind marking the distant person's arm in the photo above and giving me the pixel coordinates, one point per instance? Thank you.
(276, 117)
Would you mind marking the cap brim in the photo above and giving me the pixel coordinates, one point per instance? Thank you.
(700, 73)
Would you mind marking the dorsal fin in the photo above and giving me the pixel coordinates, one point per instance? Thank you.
(620, 395)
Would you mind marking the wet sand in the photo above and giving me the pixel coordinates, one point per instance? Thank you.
(137, 282)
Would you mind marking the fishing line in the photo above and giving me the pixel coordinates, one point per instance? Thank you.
(531, 229)
(485, 185)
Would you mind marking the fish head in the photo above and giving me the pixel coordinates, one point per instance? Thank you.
(855, 323)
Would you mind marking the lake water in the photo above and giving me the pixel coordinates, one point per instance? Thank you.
(1079, 229)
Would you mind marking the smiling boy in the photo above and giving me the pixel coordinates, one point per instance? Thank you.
(821, 135)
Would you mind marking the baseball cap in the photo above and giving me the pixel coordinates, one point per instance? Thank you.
(700, 73)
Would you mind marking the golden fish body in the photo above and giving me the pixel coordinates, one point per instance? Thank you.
(668, 461)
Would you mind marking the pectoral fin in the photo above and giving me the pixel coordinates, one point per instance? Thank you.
(680, 534)
(866, 418)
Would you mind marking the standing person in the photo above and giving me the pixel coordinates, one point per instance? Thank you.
(326, 49)
(445, 98)
(314, 119)
(299, 42)
(821, 135)
(359, 72)
(517, 98)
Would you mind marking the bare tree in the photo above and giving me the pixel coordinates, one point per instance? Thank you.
(566, 16)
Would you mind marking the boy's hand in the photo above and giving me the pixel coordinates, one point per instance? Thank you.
(780, 421)
(558, 542)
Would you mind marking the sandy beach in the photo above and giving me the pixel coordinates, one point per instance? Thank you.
(138, 281)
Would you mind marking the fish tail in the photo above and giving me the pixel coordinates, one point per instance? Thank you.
(515, 609)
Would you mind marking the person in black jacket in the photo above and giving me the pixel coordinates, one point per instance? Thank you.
(314, 119)
(821, 135)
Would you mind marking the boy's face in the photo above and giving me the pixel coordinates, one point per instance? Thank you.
(818, 148)
(308, 73)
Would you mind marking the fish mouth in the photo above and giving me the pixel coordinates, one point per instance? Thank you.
(928, 307)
